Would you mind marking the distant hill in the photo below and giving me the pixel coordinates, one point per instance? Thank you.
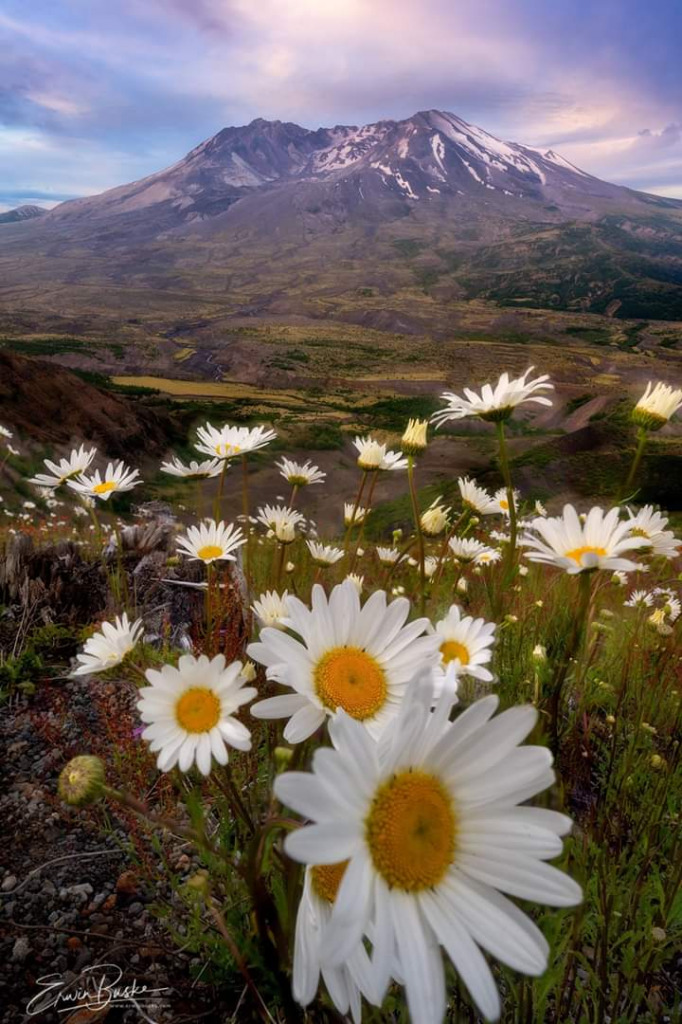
(272, 217)
(51, 405)
(21, 213)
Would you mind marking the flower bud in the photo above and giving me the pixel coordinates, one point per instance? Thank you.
(82, 781)
(539, 654)
(248, 673)
(283, 756)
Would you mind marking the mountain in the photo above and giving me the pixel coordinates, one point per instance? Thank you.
(272, 217)
(21, 213)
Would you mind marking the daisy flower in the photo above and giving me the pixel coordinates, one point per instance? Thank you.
(353, 515)
(188, 712)
(358, 659)
(502, 501)
(109, 647)
(59, 472)
(430, 566)
(211, 542)
(569, 544)
(118, 477)
(467, 550)
(281, 520)
(270, 609)
(324, 554)
(357, 581)
(300, 474)
(413, 441)
(656, 406)
(639, 599)
(388, 556)
(372, 455)
(4, 432)
(672, 606)
(349, 981)
(207, 468)
(465, 642)
(476, 498)
(435, 519)
(495, 404)
(650, 524)
(540, 509)
(430, 824)
(227, 442)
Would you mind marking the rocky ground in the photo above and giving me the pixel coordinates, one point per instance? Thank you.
(76, 886)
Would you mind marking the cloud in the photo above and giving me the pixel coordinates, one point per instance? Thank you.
(107, 91)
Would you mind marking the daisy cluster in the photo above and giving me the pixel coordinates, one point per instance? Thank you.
(412, 816)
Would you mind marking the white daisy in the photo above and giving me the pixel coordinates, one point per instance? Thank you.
(324, 554)
(598, 543)
(207, 468)
(189, 710)
(672, 606)
(118, 477)
(501, 500)
(430, 822)
(467, 550)
(476, 498)
(349, 981)
(357, 581)
(466, 643)
(109, 647)
(414, 441)
(372, 455)
(4, 432)
(639, 599)
(211, 542)
(300, 474)
(353, 515)
(270, 609)
(656, 406)
(435, 519)
(650, 524)
(430, 566)
(494, 404)
(540, 509)
(388, 556)
(228, 442)
(282, 521)
(348, 657)
(77, 462)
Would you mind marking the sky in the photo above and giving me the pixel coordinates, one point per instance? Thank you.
(95, 93)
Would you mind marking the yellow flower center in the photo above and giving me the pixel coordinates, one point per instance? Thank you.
(227, 449)
(197, 710)
(326, 879)
(451, 650)
(105, 487)
(577, 553)
(411, 831)
(504, 503)
(209, 551)
(639, 532)
(349, 678)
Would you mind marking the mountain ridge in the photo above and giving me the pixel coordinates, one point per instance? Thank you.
(271, 213)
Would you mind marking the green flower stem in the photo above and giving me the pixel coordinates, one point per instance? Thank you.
(247, 525)
(363, 481)
(418, 530)
(626, 489)
(292, 497)
(368, 505)
(217, 504)
(572, 651)
(506, 475)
